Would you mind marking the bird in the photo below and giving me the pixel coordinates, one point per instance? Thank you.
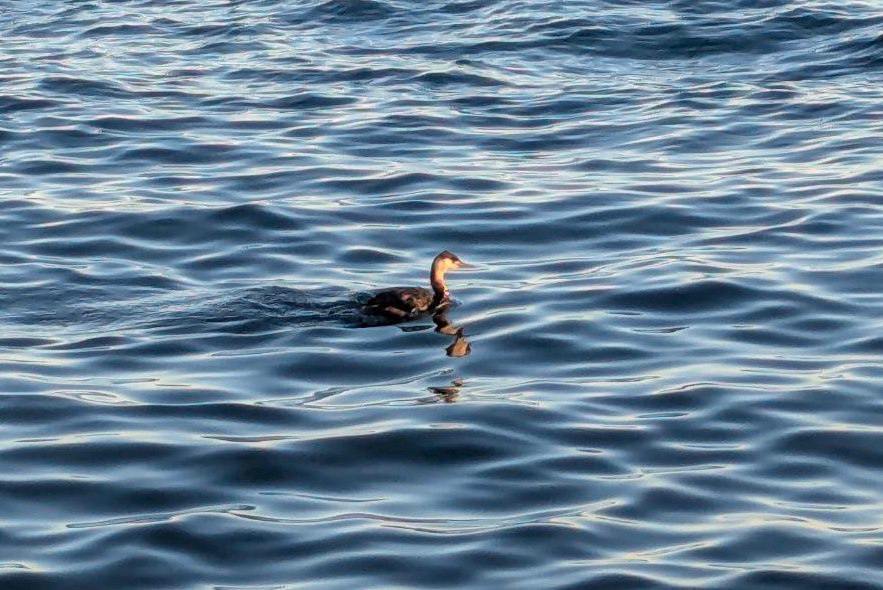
(401, 303)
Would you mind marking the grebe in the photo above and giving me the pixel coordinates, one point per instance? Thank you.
(403, 302)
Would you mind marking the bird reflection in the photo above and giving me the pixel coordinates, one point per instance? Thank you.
(450, 393)
(460, 347)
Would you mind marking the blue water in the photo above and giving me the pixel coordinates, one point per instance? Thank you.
(670, 373)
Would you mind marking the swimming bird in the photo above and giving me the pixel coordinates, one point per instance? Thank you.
(400, 303)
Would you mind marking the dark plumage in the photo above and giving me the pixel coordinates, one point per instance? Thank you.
(401, 303)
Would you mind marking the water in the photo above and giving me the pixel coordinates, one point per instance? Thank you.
(670, 369)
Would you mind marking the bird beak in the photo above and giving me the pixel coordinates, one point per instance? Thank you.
(465, 265)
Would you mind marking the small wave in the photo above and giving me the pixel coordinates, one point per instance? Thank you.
(344, 11)
(71, 85)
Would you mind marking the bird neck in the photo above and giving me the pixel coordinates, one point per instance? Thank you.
(437, 280)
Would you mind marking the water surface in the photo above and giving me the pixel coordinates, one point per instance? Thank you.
(674, 371)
